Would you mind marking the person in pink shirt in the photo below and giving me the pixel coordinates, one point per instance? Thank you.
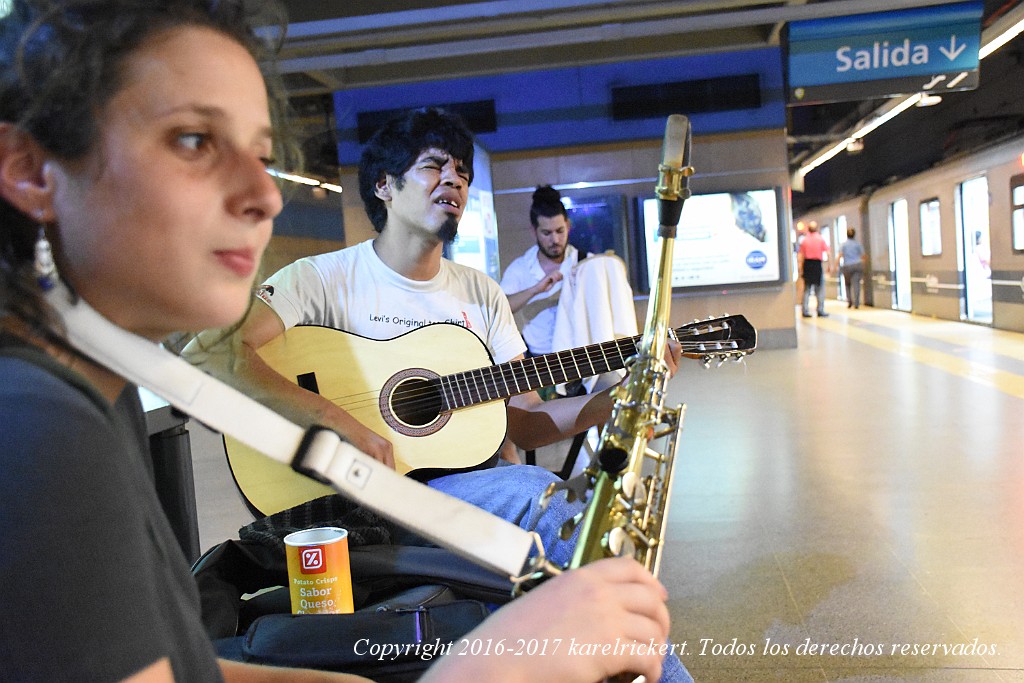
(811, 258)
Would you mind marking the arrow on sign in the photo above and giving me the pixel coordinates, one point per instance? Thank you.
(954, 50)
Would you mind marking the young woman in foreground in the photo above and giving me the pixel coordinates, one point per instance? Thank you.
(134, 141)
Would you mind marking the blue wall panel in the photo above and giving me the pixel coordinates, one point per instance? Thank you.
(572, 106)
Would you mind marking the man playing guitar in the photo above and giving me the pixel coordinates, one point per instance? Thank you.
(414, 177)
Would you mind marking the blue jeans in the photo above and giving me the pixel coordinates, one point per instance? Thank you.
(512, 492)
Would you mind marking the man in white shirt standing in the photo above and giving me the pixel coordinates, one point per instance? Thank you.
(533, 282)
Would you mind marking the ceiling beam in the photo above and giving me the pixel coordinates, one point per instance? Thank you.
(334, 51)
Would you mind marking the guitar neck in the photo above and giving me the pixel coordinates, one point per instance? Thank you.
(529, 374)
(498, 382)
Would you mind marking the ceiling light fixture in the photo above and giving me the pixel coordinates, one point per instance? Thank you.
(304, 180)
(896, 107)
(1002, 39)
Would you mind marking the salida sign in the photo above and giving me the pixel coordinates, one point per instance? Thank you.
(886, 53)
(882, 55)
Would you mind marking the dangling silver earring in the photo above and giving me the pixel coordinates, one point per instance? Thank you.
(45, 268)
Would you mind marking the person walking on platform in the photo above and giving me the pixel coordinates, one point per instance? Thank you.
(851, 262)
(811, 258)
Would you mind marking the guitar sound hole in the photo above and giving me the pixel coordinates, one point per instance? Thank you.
(417, 402)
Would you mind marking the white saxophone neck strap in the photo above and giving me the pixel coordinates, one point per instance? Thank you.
(465, 529)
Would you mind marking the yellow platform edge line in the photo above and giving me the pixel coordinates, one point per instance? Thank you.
(1002, 342)
(985, 375)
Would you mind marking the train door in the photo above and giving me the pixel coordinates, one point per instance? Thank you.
(974, 259)
(899, 254)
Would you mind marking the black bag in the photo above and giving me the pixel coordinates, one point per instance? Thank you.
(385, 644)
(416, 600)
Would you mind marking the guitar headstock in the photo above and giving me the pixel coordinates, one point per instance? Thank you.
(730, 337)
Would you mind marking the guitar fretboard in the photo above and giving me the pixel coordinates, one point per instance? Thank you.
(494, 382)
(529, 374)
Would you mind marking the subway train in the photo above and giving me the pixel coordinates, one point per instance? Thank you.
(947, 242)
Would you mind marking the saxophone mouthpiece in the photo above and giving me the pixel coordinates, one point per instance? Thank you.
(673, 173)
(675, 149)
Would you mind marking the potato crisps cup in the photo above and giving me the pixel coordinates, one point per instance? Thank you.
(319, 579)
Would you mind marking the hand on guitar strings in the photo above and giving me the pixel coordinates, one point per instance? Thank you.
(363, 438)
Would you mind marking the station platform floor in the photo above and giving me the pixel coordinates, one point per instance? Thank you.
(850, 510)
(853, 510)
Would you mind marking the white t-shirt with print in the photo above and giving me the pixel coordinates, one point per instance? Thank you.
(353, 290)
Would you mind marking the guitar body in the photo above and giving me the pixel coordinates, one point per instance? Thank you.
(364, 376)
(434, 393)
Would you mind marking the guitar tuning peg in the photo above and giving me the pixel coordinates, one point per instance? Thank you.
(706, 361)
(721, 360)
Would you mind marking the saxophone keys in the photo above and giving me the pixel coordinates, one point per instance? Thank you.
(641, 492)
(619, 543)
(629, 481)
(633, 488)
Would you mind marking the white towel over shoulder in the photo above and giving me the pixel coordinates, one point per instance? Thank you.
(596, 306)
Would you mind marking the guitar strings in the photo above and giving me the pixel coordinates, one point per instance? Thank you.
(465, 383)
(475, 383)
(466, 389)
(516, 378)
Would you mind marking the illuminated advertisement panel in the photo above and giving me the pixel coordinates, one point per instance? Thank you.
(724, 239)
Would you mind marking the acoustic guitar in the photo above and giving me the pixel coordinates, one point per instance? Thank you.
(435, 393)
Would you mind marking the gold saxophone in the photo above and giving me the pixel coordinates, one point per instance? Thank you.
(632, 479)
(628, 482)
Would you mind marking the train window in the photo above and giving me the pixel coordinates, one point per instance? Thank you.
(931, 228)
(1017, 208)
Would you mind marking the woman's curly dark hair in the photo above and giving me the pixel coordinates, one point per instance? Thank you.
(61, 61)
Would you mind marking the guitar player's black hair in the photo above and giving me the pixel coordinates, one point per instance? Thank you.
(396, 145)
